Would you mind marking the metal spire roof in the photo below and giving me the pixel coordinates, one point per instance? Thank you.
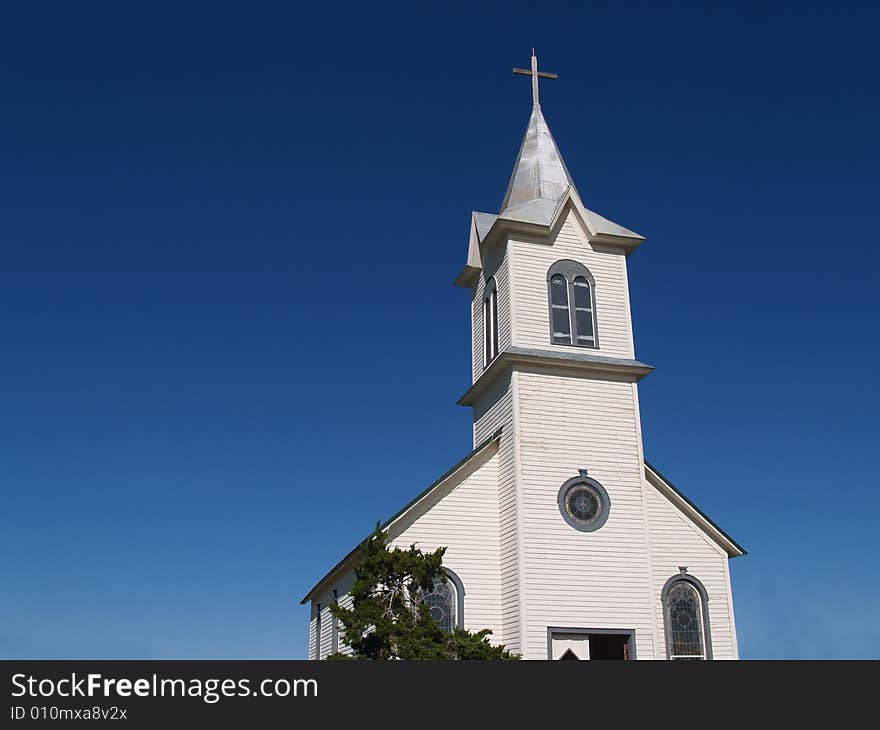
(540, 178)
(539, 191)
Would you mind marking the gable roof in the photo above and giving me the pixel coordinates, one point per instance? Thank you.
(459, 470)
(539, 191)
(692, 512)
(541, 217)
(483, 223)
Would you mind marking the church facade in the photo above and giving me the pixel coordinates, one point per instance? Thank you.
(561, 538)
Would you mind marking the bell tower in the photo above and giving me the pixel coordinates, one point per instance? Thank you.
(553, 365)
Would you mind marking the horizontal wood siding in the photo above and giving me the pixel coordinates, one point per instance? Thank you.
(580, 579)
(465, 522)
(676, 541)
(312, 628)
(492, 411)
(342, 585)
(326, 616)
(531, 316)
(464, 519)
(345, 601)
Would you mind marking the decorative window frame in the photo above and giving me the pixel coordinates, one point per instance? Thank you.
(459, 596)
(570, 270)
(490, 322)
(686, 577)
(458, 589)
(589, 481)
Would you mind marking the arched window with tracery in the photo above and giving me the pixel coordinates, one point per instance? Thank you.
(446, 601)
(686, 616)
(571, 291)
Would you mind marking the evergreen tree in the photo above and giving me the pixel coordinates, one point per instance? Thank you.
(389, 618)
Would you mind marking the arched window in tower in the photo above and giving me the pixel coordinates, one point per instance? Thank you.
(490, 322)
(446, 601)
(686, 615)
(583, 311)
(571, 291)
(560, 321)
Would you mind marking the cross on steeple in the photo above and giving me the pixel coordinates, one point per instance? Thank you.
(535, 74)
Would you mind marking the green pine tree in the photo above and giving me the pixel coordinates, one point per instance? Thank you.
(389, 618)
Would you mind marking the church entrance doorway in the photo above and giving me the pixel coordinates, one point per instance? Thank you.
(590, 644)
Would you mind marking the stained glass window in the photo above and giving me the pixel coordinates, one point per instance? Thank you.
(684, 621)
(441, 603)
(583, 504)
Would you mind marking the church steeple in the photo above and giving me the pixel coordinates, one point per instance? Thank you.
(540, 178)
(539, 193)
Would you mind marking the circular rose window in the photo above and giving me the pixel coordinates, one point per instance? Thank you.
(584, 503)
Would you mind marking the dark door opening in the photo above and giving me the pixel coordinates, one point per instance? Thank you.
(609, 646)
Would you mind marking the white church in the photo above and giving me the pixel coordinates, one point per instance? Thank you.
(561, 538)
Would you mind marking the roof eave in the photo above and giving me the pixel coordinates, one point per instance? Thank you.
(467, 277)
(678, 498)
(627, 243)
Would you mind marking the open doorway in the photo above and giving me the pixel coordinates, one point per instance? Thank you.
(570, 644)
(609, 646)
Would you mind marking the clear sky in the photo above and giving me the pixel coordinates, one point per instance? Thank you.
(229, 338)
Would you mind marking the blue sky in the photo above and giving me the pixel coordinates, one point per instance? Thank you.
(229, 338)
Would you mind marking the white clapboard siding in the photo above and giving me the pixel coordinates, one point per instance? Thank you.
(343, 588)
(465, 522)
(342, 585)
(495, 265)
(464, 519)
(346, 602)
(580, 579)
(531, 315)
(492, 411)
(324, 647)
(675, 542)
(312, 627)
